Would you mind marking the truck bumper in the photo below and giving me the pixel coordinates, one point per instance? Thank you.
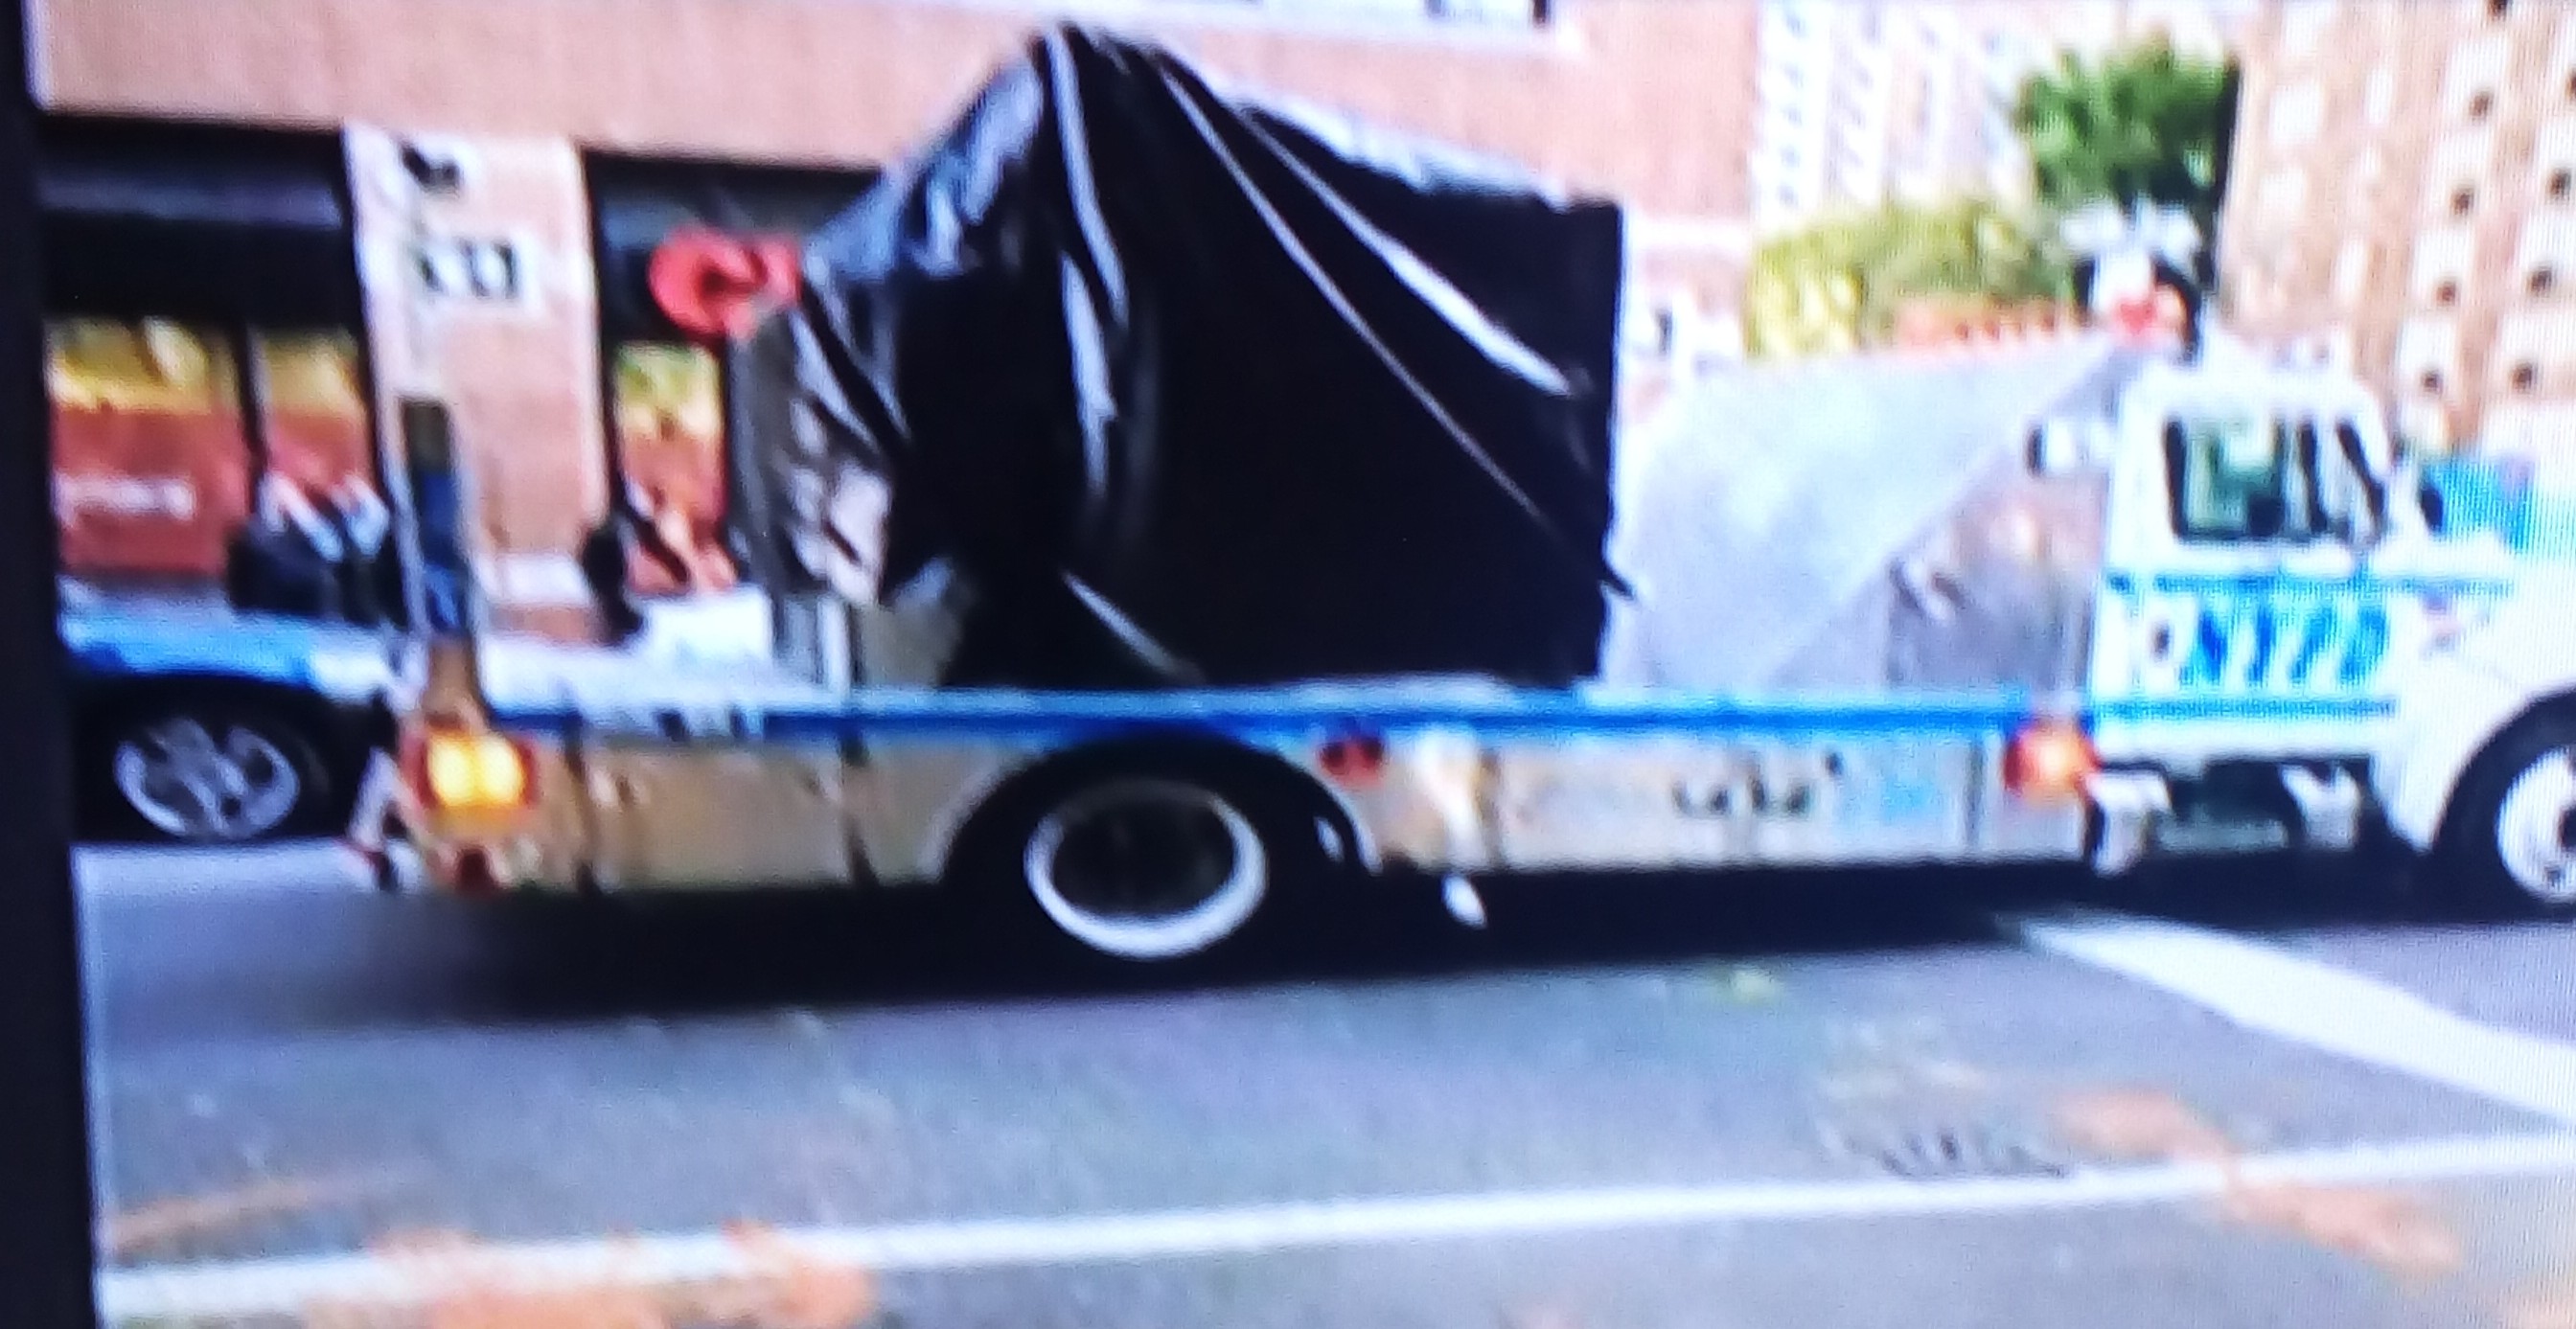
(2142, 815)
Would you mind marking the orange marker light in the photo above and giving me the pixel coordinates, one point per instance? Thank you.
(467, 771)
(2050, 761)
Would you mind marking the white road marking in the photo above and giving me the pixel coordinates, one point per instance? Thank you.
(2324, 1007)
(283, 1286)
(300, 867)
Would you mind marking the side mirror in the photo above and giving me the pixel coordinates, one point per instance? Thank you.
(2037, 454)
(2059, 447)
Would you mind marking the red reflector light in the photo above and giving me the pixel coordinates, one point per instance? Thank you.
(1356, 760)
(2050, 761)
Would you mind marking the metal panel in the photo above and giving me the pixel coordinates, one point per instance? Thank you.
(673, 816)
(1695, 802)
(907, 810)
(1764, 518)
(2000, 594)
(2010, 828)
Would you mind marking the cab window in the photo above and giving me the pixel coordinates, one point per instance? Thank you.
(2234, 478)
(2348, 501)
(2249, 478)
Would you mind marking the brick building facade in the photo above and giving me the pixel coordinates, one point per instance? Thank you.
(1646, 101)
(2404, 201)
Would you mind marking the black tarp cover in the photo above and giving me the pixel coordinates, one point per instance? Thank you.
(1194, 391)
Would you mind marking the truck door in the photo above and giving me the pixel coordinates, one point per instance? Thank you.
(2260, 591)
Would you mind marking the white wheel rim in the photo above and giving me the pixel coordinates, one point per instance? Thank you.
(193, 783)
(1208, 902)
(2532, 826)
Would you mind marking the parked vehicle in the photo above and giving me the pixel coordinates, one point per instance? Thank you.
(197, 724)
(1298, 550)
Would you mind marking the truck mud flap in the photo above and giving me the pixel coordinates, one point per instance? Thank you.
(2128, 806)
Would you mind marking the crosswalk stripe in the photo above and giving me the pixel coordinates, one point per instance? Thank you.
(2271, 991)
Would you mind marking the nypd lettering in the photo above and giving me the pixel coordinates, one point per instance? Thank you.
(2288, 639)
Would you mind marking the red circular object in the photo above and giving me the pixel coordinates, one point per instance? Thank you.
(2135, 319)
(714, 286)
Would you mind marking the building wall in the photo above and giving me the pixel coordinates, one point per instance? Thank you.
(1645, 101)
(521, 376)
(2393, 207)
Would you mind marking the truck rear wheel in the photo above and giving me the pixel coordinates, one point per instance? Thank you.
(1145, 858)
(2509, 840)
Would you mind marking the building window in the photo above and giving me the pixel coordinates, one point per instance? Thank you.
(1996, 135)
(2447, 294)
(2464, 200)
(2285, 198)
(667, 400)
(2379, 99)
(2442, 258)
(2298, 113)
(155, 455)
(152, 456)
(2499, 8)
(2431, 382)
(2481, 105)
(2526, 376)
(312, 417)
(668, 391)
(2303, 28)
(2562, 184)
(2352, 271)
(2544, 279)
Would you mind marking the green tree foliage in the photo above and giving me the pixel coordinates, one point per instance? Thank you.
(2145, 124)
(1837, 286)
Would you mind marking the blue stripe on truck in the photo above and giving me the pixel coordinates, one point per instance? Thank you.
(1070, 716)
(2189, 583)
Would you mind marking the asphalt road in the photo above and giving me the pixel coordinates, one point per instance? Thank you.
(1927, 1099)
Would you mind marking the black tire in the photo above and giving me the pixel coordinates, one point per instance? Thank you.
(2470, 862)
(288, 788)
(1072, 853)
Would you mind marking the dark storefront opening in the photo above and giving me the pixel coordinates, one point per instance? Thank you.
(203, 328)
(714, 226)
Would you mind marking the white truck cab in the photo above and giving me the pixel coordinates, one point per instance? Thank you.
(2271, 568)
